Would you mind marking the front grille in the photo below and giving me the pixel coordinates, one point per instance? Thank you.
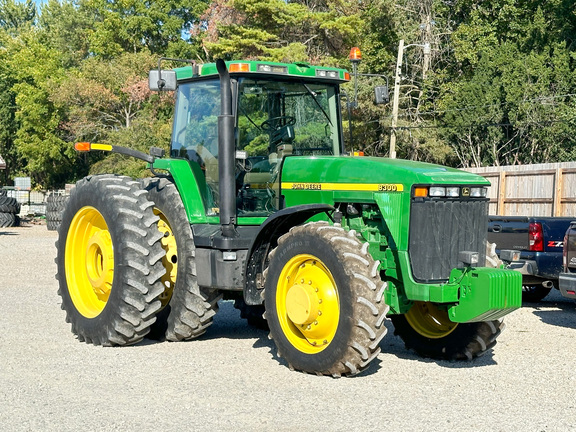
(439, 230)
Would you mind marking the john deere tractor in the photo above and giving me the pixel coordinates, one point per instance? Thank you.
(259, 202)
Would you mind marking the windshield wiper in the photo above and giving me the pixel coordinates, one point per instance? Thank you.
(311, 93)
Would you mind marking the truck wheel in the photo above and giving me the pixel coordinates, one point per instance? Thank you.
(109, 261)
(254, 315)
(187, 310)
(427, 330)
(324, 300)
(534, 293)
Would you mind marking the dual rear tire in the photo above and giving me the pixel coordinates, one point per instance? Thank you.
(126, 263)
(109, 259)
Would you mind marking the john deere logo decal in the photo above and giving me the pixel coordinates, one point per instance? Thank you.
(366, 187)
(466, 191)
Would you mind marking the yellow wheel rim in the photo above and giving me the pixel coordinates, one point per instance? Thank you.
(170, 261)
(307, 304)
(89, 262)
(429, 320)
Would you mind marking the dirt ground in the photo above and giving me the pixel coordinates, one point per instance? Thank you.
(230, 379)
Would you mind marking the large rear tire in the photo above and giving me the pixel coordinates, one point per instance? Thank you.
(109, 259)
(324, 300)
(187, 310)
(427, 330)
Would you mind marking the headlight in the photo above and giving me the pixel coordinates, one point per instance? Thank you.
(453, 191)
(437, 191)
(478, 192)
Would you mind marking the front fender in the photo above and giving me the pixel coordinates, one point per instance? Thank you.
(275, 226)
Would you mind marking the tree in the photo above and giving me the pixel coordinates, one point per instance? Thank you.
(34, 67)
(109, 101)
(140, 25)
(14, 15)
(320, 32)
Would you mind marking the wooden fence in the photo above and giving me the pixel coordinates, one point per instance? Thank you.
(531, 190)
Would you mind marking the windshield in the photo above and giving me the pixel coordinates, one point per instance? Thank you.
(273, 113)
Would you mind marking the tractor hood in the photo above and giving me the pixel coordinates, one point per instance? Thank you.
(300, 171)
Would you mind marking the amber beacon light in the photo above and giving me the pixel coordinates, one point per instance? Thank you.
(355, 54)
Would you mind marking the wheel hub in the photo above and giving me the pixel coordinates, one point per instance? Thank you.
(99, 262)
(89, 259)
(302, 304)
(308, 304)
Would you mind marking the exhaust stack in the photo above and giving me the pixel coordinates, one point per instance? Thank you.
(226, 154)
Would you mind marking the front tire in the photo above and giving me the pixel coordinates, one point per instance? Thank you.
(427, 330)
(109, 261)
(324, 300)
(187, 310)
(253, 314)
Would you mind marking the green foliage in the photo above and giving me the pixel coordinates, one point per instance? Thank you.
(318, 31)
(46, 157)
(15, 15)
(137, 25)
(67, 28)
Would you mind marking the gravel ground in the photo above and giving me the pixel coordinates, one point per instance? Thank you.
(230, 380)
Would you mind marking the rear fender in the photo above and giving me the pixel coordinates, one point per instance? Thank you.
(191, 184)
(275, 226)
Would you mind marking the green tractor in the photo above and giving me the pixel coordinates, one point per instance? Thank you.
(258, 202)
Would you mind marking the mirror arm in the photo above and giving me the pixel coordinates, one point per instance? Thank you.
(162, 82)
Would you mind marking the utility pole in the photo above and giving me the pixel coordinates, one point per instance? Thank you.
(396, 98)
(397, 80)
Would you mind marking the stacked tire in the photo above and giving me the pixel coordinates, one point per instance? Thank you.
(9, 209)
(55, 206)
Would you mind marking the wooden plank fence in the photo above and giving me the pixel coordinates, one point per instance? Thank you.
(531, 190)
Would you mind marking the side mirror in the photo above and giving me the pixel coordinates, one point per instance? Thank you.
(162, 80)
(381, 95)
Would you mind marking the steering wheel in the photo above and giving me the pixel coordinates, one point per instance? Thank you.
(270, 124)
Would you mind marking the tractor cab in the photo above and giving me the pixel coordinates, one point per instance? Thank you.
(279, 111)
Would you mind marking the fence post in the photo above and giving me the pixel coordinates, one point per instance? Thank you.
(558, 186)
(501, 193)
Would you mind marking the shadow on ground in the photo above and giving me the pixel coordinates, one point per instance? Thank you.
(555, 310)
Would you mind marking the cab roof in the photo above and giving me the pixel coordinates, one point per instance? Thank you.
(264, 68)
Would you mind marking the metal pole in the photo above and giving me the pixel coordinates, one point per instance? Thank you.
(396, 99)
(355, 72)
